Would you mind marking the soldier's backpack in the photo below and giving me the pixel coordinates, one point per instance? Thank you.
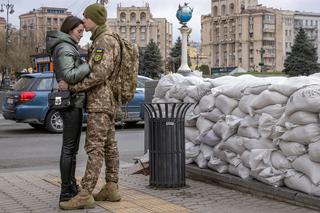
(126, 79)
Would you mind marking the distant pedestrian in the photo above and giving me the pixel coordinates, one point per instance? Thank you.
(104, 59)
(62, 46)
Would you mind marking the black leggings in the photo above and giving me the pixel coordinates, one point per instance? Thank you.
(72, 126)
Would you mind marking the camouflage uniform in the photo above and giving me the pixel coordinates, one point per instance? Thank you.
(104, 59)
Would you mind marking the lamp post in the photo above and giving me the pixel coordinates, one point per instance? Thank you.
(261, 64)
(9, 9)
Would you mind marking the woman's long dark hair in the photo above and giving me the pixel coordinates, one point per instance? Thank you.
(70, 23)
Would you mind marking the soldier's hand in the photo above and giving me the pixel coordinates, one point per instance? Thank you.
(63, 85)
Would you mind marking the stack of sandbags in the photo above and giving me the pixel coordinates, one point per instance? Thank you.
(264, 128)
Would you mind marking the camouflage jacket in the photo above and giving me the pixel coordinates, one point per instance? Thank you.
(104, 59)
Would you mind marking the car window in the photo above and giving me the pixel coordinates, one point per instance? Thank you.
(141, 82)
(23, 83)
(46, 84)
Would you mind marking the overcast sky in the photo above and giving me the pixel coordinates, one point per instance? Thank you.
(159, 8)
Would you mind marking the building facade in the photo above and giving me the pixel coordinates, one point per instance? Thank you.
(35, 24)
(137, 25)
(242, 33)
(2, 24)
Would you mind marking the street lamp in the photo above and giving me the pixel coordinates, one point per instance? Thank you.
(9, 9)
(261, 51)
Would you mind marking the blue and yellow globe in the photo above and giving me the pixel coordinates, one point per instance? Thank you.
(184, 13)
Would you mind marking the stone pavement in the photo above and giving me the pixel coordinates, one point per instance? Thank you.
(36, 192)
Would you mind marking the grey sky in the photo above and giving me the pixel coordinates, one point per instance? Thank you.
(159, 8)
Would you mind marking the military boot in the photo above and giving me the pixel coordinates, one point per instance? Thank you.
(83, 200)
(109, 192)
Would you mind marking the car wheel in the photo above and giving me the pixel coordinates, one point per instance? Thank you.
(54, 122)
(37, 126)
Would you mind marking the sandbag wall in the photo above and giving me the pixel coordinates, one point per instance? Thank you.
(262, 128)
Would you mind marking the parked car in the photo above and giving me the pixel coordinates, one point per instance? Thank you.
(27, 102)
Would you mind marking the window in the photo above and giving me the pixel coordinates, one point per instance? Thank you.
(215, 11)
(143, 29)
(49, 21)
(133, 18)
(143, 17)
(122, 17)
(286, 32)
(223, 10)
(55, 21)
(45, 84)
(123, 29)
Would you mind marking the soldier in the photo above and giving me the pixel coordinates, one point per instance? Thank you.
(104, 59)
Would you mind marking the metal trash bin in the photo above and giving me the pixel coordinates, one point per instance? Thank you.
(167, 144)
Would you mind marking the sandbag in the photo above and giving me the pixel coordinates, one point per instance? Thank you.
(203, 125)
(190, 118)
(256, 90)
(309, 168)
(213, 116)
(218, 165)
(292, 148)
(192, 150)
(303, 118)
(165, 83)
(197, 92)
(188, 99)
(225, 104)
(248, 132)
(289, 85)
(245, 158)
(191, 134)
(201, 161)
(206, 150)
(261, 143)
(237, 112)
(275, 110)
(266, 125)
(314, 152)
(300, 182)
(227, 128)
(207, 103)
(279, 161)
(233, 144)
(267, 98)
(305, 99)
(303, 134)
(245, 104)
(270, 176)
(177, 91)
(239, 170)
(250, 121)
(209, 138)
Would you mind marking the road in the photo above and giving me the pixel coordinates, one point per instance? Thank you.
(25, 148)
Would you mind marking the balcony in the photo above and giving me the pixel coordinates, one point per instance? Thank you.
(269, 30)
(268, 38)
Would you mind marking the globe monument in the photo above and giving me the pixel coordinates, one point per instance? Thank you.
(184, 14)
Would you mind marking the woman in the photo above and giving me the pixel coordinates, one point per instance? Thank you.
(62, 46)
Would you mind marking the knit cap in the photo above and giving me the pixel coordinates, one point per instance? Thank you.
(97, 13)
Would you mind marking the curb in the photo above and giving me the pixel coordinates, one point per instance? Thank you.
(254, 187)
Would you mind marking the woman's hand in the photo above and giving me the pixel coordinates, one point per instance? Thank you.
(63, 85)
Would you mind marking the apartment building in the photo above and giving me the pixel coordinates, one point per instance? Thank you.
(137, 24)
(35, 24)
(2, 24)
(310, 23)
(243, 33)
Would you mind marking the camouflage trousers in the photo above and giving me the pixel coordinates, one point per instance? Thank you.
(100, 145)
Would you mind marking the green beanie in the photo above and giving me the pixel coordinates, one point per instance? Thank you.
(97, 13)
